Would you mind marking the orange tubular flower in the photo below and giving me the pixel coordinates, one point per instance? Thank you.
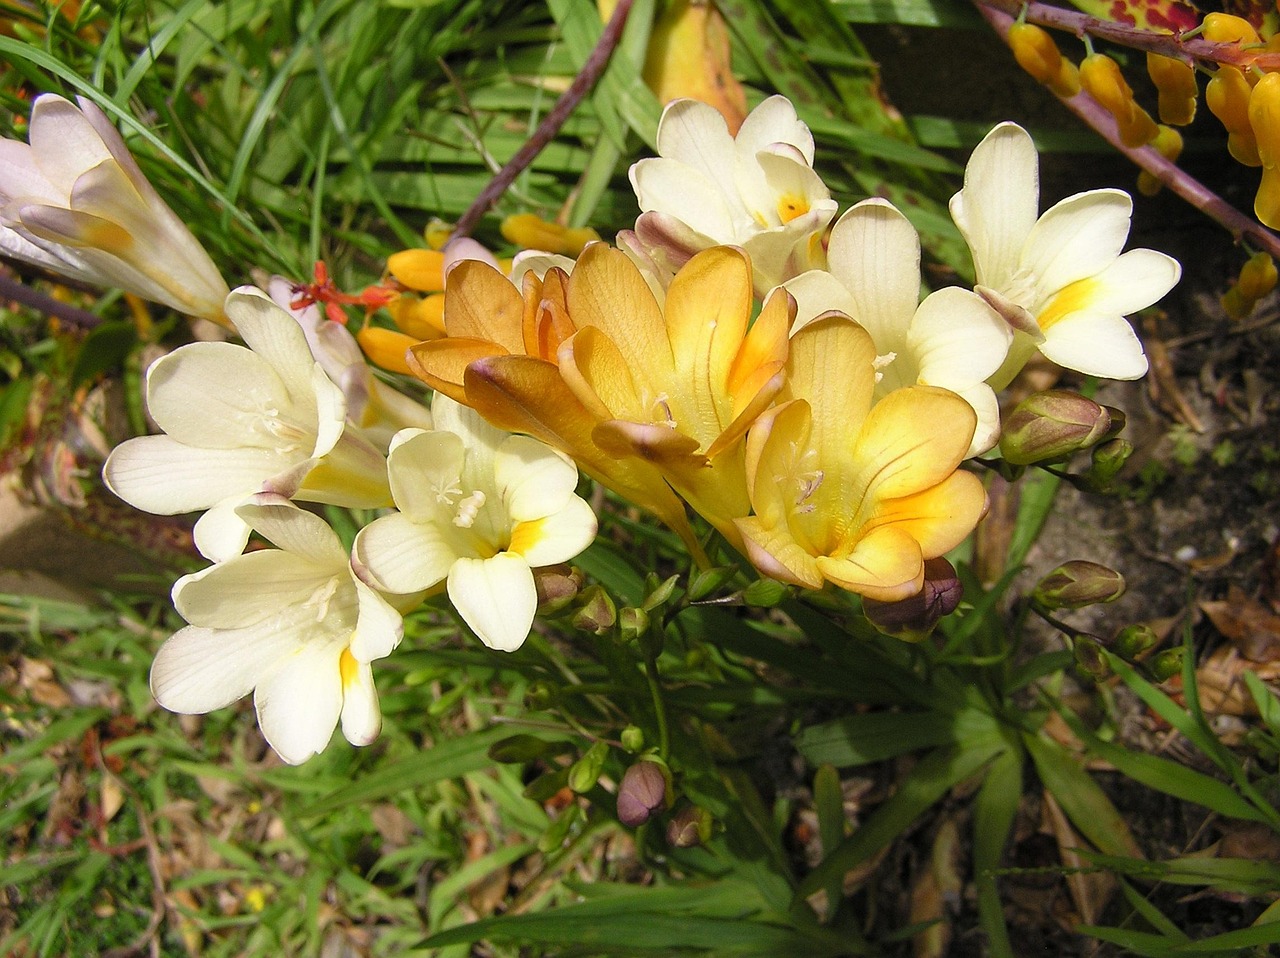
(1264, 118)
(1037, 53)
(500, 357)
(1101, 77)
(850, 493)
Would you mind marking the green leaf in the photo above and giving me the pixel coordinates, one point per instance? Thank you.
(876, 736)
(914, 13)
(1088, 807)
(994, 812)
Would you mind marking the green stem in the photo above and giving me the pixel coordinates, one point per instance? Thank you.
(659, 706)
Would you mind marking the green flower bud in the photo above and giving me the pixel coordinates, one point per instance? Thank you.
(598, 613)
(660, 594)
(538, 696)
(1133, 640)
(585, 772)
(912, 619)
(642, 792)
(632, 739)
(1167, 664)
(1052, 425)
(1108, 459)
(632, 623)
(709, 580)
(1076, 584)
(765, 593)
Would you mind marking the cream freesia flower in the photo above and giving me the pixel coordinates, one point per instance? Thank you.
(1060, 280)
(74, 201)
(240, 421)
(757, 190)
(478, 509)
(376, 408)
(851, 493)
(953, 339)
(292, 624)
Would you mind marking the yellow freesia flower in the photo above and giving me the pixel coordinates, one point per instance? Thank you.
(850, 493)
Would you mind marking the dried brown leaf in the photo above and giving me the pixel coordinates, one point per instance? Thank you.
(1090, 891)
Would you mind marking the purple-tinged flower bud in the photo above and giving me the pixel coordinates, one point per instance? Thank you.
(556, 586)
(1052, 425)
(632, 623)
(1076, 584)
(598, 613)
(688, 827)
(1090, 656)
(642, 793)
(914, 618)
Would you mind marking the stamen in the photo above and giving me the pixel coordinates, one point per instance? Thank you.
(468, 509)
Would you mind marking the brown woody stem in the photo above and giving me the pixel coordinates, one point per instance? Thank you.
(1148, 158)
(551, 123)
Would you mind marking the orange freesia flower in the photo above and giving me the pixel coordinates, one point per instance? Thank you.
(500, 357)
(850, 493)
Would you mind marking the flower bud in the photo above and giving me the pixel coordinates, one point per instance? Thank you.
(1108, 459)
(632, 739)
(420, 316)
(1090, 656)
(585, 772)
(632, 623)
(659, 593)
(420, 269)
(386, 348)
(765, 593)
(1168, 143)
(529, 231)
(1266, 204)
(688, 827)
(642, 792)
(914, 618)
(1101, 77)
(1225, 28)
(1067, 83)
(1227, 96)
(709, 580)
(1167, 664)
(598, 613)
(1264, 118)
(1257, 278)
(1133, 640)
(1035, 50)
(1076, 584)
(1176, 82)
(1052, 425)
(556, 586)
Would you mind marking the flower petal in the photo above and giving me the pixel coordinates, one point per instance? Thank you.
(379, 627)
(1076, 238)
(939, 518)
(361, 717)
(275, 337)
(422, 466)
(496, 598)
(671, 187)
(164, 477)
(533, 479)
(1096, 345)
(999, 203)
(875, 254)
(557, 537)
(913, 439)
(403, 556)
(816, 291)
(294, 530)
(299, 703)
(220, 534)
(268, 586)
(956, 339)
(776, 554)
(198, 670)
(885, 565)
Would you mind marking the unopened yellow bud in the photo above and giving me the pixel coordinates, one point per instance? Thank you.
(1227, 97)
(531, 232)
(1168, 143)
(1258, 276)
(1035, 51)
(420, 316)
(386, 347)
(420, 269)
(1067, 82)
(1264, 118)
(1266, 205)
(437, 233)
(1225, 28)
(1101, 77)
(1176, 82)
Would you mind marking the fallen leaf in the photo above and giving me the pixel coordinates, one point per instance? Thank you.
(1090, 891)
(1162, 382)
(1247, 623)
(935, 895)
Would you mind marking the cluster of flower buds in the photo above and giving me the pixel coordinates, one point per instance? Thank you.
(1257, 278)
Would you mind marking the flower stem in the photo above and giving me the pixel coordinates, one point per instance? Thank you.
(659, 706)
(551, 123)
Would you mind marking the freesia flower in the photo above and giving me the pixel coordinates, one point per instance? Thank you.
(74, 201)
(376, 408)
(757, 190)
(478, 509)
(1059, 280)
(500, 356)
(850, 493)
(953, 339)
(291, 624)
(240, 421)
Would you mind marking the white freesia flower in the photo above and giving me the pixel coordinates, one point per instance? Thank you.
(757, 191)
(376, 408)
(953, 339)
(74, 201)
(240, 421)
(479, 509)
(292, 624)
(1060, 280)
